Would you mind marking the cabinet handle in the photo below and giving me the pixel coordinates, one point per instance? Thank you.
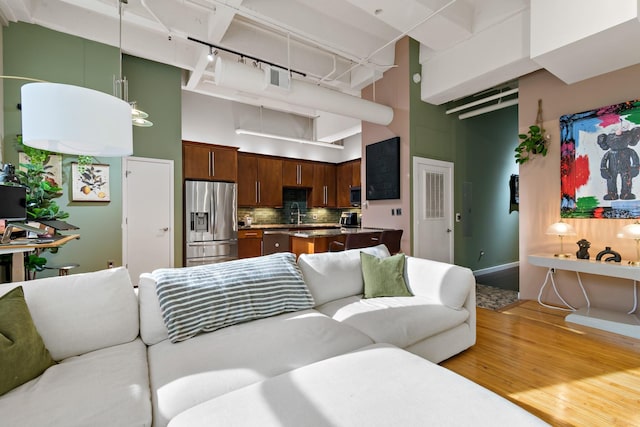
(256, 191)
(259, 198)
(212, 163)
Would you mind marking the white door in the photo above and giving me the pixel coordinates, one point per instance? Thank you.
(433, 209)
(147, 215)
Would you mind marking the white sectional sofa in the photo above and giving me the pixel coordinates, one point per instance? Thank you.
(339, 363)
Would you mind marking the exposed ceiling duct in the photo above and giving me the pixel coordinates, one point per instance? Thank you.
(245, 78)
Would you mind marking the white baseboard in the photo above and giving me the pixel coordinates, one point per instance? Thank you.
(496, 268)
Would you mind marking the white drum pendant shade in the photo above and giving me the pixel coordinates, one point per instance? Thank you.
(75, 120)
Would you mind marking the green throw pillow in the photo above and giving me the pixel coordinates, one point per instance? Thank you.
(23, 355)
(384, 277)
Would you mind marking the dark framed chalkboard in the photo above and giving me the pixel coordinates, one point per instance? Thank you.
(383, 170)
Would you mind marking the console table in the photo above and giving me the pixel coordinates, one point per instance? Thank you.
(622, 323)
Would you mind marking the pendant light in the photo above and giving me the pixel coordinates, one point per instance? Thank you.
(121, 84)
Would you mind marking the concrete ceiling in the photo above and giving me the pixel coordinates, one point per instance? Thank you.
(466, 45)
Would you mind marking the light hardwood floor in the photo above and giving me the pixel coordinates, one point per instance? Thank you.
(566, 374)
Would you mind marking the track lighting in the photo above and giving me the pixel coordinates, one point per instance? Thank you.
(210, 56)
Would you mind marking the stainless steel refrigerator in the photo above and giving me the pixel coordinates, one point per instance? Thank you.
(211, 228)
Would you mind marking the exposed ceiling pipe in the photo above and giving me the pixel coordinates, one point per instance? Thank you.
(482, 101)
(488, 109)
(253, 80)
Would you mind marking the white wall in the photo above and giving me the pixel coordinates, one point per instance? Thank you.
(214, 120)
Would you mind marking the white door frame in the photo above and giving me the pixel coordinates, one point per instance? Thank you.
(125, 241)
(418, 197)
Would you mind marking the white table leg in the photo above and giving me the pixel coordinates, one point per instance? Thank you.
(553, 284)
(635, 298)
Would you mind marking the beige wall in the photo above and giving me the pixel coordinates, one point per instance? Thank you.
(391, 90)
(540, 188)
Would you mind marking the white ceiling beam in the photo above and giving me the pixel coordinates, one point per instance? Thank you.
(598, 42)
(451, 26)
(493, 56)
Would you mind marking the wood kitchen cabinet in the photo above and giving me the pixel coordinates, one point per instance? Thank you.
(209, 162)
(323, 193)
(259, 181)
(249, 243)
(348, 176)
(297, 173)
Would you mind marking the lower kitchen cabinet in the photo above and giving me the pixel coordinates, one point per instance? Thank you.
(249, 243)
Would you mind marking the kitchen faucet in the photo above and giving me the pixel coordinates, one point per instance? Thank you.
(297, 212)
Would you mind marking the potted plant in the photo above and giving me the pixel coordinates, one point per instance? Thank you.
(534, 141)
(41, 194)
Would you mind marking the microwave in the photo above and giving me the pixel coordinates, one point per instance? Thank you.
(355, 196)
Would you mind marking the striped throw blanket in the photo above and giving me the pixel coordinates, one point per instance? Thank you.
(209, 297)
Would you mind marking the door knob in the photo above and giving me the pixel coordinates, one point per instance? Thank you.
(449, 230)
(164, 229)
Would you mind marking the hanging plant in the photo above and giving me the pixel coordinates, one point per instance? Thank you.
(534, 141)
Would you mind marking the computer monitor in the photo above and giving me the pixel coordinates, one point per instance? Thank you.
(13, 203)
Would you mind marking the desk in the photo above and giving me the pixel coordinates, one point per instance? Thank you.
(621, 323)
(19, 246)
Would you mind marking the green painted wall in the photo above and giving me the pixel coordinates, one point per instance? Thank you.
(33, 51)
(482, 152)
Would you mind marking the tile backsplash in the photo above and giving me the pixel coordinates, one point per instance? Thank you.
(287, 214)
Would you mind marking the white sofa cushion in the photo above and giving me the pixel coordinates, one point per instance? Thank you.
(107, 387)
(401, 321)
(80, 313)
(187, 373)
(334, 275)
(444, 283)
(152, 327)
(379, 385)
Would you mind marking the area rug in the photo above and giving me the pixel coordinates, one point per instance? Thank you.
(494, 298)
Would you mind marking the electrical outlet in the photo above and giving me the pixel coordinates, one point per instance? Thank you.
(314, 216)
(458, 217)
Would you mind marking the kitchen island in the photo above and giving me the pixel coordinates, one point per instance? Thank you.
(315, 241)
(302, 238)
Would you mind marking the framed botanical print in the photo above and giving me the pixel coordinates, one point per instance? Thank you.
(600, 162)
(90, 183)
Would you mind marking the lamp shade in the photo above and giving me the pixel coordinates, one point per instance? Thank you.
(75, 120)
(561, 229)
(630, 231)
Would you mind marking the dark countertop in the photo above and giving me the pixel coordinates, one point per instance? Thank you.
(289, 226)
(310, 234)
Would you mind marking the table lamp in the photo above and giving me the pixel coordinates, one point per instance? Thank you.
(561, 229)
(632, 231)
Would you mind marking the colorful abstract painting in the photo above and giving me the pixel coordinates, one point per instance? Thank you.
(599, 162)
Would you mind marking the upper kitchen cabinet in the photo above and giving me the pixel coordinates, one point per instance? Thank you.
(297, 173)
(348, 176)
(259, 181)
(323, 193)
(209, 162)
